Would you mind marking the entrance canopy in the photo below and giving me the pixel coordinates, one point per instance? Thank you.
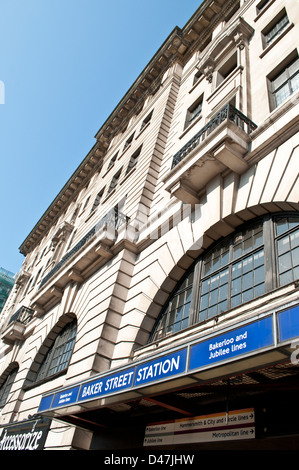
(168, 378)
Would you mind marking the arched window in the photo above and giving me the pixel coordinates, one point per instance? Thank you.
(59, 354)
(262, 256)
(232, 273)
(287, 249)
(6, 386)
(177, 313)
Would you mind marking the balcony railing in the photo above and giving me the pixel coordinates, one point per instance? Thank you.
(113, 218)
(228, 112)
(23, 315)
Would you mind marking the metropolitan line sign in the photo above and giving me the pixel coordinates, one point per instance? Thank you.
(234, 425)
(244, 340)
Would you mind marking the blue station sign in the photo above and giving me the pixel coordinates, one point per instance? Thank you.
(107, 385)
(239, 342)
(288, 324)
(165, 367)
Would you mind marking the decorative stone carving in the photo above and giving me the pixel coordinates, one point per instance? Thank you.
(208, 72)
(238, 34)
(61, 234)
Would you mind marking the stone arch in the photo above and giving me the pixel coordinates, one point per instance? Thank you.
(269, 185)
(211, 236)
(8, 381)
(47, 342)
(12, 366)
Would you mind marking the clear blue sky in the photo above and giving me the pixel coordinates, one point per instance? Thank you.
(65, 65)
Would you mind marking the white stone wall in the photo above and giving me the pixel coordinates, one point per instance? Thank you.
(117, 305)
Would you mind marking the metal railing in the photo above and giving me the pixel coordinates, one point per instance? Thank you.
(113, 218)
(228, 112)
(23, 315)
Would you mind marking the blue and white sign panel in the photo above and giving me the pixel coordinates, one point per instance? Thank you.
(63, 398)
(161, 368)
(288, 324)
(239, 342)
(234, 343)
(107, 385)
(164, 367)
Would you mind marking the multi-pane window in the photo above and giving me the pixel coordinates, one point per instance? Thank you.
(252, 262)
(97, 200)
(114, 181)
(262, 5)
(128, 142)
(197, 77)
(133, 160)
(285, 83)
(58, 355)
(86, 203)
(112, 161)
(194, 111)
(176, 315)
(275, 29)
(146, 121)
(214, 282)
(232, 273)
(227, 68)
(6, 386)
(287, 246)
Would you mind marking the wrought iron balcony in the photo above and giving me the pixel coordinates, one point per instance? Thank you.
(113, 219)
(228, 112)
(16, 327)
(220, 146)
(23, 315)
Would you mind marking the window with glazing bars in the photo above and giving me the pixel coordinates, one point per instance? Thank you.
(284, 83)
(146, 121)
(232, 273)
(58, 356)
(176, 315)
(275, 28)
(112, 161)
(133, 160)
(287, 249)
(114, 181)
(97, 200)
(128, 142)
(194, 111)
(252, 262)
(6, 386)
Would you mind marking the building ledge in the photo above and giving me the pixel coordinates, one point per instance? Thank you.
(91, 251)
(17, 324)
(220, 145)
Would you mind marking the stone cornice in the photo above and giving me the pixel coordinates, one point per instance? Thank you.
(179, 45)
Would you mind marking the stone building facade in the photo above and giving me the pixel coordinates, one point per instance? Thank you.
(161, 285)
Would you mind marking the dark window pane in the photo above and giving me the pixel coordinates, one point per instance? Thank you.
(285, 262)
(294, 239)
(283, 245)
(222, 307)
(6, 387)
(58, 356)
(259, 275)
(282, 225)
(286, 278)
(259, 290)
(248, 295)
